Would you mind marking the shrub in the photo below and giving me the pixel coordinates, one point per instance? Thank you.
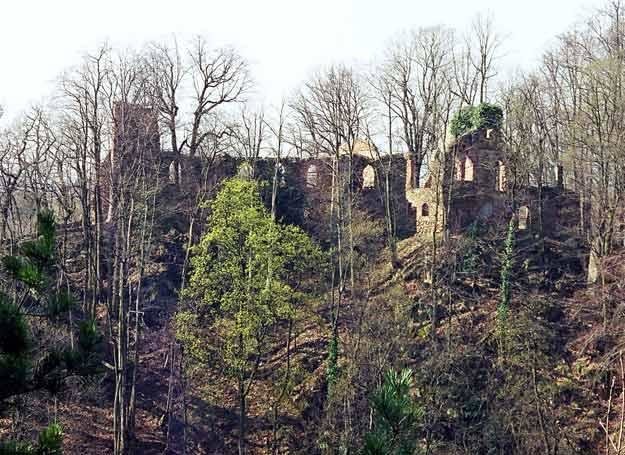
(487, 116)
(472, 118)
(462, 121)
(16, 448)
(88, 335)
(51, 440)
(50, 443)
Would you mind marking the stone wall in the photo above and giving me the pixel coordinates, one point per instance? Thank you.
(304, 186)
(474, 189)
(471, 187)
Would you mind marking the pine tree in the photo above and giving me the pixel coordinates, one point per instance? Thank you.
(29, 363)
(396, 417)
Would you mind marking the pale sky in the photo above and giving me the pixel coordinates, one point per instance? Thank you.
(285, 40)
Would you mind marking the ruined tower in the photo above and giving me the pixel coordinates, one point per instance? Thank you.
(465, 184)
(469, 184)
(136, 148)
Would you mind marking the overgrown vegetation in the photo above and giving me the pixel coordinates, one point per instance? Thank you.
(168, 287)
(471, 118)
(32, 308)
(246, 286)
(50, 443)
(396, 417)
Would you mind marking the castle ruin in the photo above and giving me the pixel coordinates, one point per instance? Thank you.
(453, 197)
(471, 185)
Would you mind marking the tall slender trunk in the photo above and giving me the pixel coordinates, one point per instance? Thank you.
(145, 242)
(274, 189)
(285, 385)
(242, 412)
(170, 391)
(123, 431)
(390, 226)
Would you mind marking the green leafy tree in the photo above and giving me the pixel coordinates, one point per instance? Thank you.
(31, 297)
(245, 284)
(396, 417)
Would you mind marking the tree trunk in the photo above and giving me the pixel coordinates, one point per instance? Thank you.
(242, 412)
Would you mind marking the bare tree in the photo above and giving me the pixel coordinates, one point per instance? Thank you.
(218, 77)
(487, 42)
(82, 101)
(415, 72)
(331, 110)
(248, 135)
(168, 72)
(12, 166)
(278, 140)
(210, 77)
(383, 95)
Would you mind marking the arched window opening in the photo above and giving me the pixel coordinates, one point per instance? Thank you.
(281, 175)
(172, 172)
(368, 177)
(425, 210)
(501, 176)
(524, 213)
(312, 175)
(246, 171)
(468, 169)
(458, 169)
(428, 182)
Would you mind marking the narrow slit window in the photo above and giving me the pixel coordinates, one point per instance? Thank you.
(501, 176)
(312, 175)
(172, 172)
(469, 169)
(459, 171)
(524, 213)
